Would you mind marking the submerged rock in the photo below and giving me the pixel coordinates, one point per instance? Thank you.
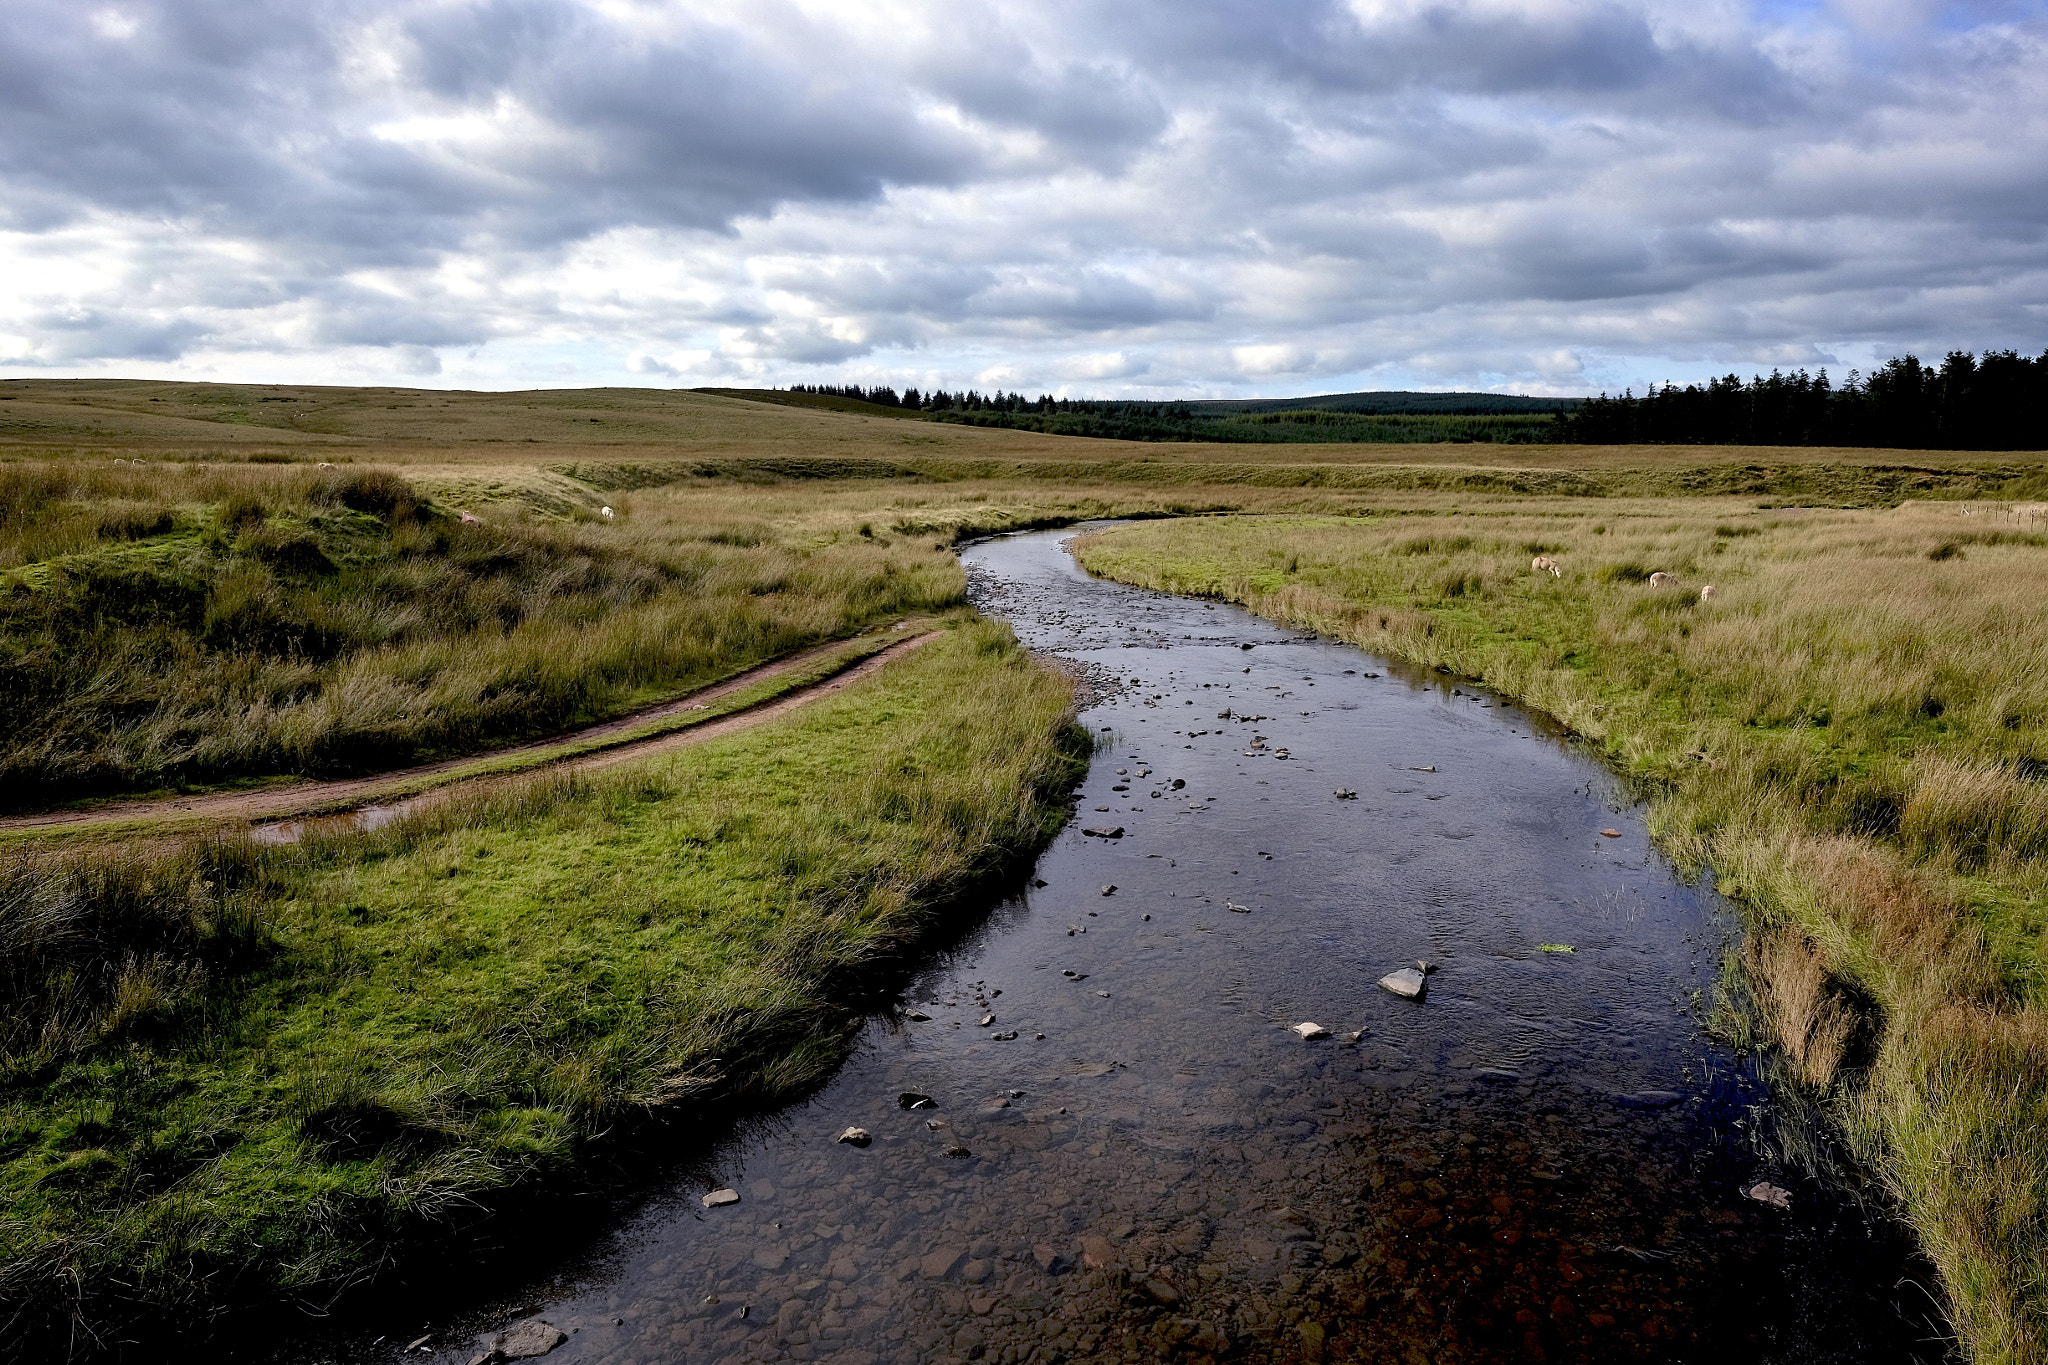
(855, 1137)
(1408, 983)
(1648, 1099)
(527, 1340)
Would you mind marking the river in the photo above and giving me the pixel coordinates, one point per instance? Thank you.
(1130, 1152)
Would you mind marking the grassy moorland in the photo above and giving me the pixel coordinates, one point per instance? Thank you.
(1852, 731)
(229, 1073)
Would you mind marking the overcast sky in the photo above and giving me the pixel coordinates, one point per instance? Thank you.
(1202, 197)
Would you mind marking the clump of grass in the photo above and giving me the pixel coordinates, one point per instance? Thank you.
(1849, 732)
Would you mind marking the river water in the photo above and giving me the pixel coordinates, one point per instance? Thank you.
(1130, 1153)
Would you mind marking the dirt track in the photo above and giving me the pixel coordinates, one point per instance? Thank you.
(336, 796)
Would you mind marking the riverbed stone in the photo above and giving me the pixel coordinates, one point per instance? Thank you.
(1406, 982)
(1763, 1192)
(527, 1340)
(1105, 831)
(855, 1137)
(720, 1198)
(1308, 1031)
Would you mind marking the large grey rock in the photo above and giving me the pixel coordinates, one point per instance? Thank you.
(1408, 983)
(720, 1198)
(529, 1339)
(855, 1137)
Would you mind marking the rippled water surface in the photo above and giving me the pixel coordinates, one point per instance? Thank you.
(1544, 1159)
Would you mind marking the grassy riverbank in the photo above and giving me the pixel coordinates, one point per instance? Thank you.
(1852, 731)
(235, 1073)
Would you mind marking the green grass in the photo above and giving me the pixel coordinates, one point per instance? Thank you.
(1852, 732)
(327, 1050)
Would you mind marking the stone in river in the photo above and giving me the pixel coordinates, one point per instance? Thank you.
(911, 1099)
(1648, 1099)
(1110, 889)
(1763, 1192)
(956, 1150)
(1105, 831)
(1611, 833)
(1161, 1291)
(855, 1137)
(987, 1019)
(918, 1017)
(527, 1340)
(1408, 983)
(1008, 1037)
(720, 1198)
(1308, 1031)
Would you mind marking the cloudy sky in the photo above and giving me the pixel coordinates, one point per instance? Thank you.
(1202, 197)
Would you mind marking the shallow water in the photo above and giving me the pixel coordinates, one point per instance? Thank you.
(1544, 1159)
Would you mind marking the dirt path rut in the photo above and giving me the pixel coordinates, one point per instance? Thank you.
(335, 797)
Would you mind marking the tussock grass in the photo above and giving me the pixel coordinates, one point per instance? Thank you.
(1853, 732)
(296, 620)
(439, 1014)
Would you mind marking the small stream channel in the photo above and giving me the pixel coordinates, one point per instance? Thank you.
(1544, 1159)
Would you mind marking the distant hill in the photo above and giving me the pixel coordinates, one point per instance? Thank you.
(1388, 402)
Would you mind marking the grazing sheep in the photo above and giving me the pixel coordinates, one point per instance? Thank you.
(1545, 564)
(468, 520)
(605, 512)
(1707, 593)
(1661, 580)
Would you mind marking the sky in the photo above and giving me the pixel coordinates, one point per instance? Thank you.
(1202, 198)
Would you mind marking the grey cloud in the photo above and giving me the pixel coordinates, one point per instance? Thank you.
(1456, 191)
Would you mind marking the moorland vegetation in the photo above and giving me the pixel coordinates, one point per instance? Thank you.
(446, 1015)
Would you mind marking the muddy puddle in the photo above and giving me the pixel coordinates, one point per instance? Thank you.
(1130, 1154)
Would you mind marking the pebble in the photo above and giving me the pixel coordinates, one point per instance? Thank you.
(1408, 983)
(987, 1019)
(1611, 833)
(855, 1137)
(1308, 1031)
(720, 1198)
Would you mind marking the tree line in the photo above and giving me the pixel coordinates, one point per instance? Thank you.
(1997, 403)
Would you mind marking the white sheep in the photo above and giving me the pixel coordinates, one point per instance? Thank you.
(1661, 580)
(1545, 564)
(1707, 593)
(605, 512)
